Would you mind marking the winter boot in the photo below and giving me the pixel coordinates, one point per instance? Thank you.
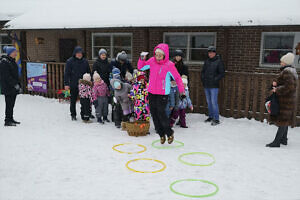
(163, 139)
(208, 119)
(171, 139)
(99, 120)
(73, 118)
(15, 122)
(215, 122)
(106, 119)
(273, 144)
(183, 126)
(9, 123)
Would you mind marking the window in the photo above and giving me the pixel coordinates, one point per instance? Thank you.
(274, 45)
(4, 41)
(113, 43)
(194, 45)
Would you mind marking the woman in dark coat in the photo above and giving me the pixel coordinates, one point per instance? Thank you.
(285, 87)
(180, 66)
(10, 84)
(102, 66)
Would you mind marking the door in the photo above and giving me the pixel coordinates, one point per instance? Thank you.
(66, 47)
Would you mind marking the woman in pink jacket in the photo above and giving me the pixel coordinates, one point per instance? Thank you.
(161, 71)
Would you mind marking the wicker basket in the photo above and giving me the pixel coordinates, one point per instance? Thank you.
(123, 125)
(138, 128)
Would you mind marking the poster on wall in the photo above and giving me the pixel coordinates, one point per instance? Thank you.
(37, 77)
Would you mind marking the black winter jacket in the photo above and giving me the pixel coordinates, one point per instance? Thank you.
(75, 69)
(9, 75)
(103, 68)
(212, 72)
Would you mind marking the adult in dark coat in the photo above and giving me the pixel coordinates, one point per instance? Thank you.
(9, 76)
(76, 67)
(285, 87)
(102, 66)
(180, 66)
(123, 64)
(211, 74)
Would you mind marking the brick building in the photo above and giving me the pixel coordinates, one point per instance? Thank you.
(249, 47)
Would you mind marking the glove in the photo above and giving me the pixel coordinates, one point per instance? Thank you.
(17, 87)
(143, 55)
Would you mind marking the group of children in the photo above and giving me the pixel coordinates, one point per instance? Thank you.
(130, 99)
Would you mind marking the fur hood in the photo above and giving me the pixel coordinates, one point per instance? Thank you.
(84, 82)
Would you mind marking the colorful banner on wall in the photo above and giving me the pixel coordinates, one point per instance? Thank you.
(37, 77)
(17, 45)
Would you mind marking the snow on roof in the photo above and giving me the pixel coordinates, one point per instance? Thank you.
(61, 14)
(11, 9)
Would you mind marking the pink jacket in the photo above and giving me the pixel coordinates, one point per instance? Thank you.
(100, 89)
(161, 73)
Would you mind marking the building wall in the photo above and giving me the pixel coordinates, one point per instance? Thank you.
(49, 50)
(239, 46)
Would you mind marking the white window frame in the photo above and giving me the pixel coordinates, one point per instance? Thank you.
(2, 45)
(261, 64)
(111, 35)
(189, 34)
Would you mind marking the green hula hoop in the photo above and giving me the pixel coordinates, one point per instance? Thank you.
(180, 144)
(193, 153)
(194, 196)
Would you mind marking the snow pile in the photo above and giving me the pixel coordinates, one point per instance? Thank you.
(59, 14)
(50, 157)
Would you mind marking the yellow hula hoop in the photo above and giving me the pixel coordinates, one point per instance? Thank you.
(142, 146)
(156, 171)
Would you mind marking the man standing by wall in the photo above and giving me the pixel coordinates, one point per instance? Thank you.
(212, 72)
(76, 66)
(10, 83)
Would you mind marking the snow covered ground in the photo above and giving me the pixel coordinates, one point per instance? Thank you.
(49, 157)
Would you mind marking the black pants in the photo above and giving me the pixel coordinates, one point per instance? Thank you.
(161, 122)
(117, 114)
(85, 108)
(281, 134)
(73, 98)
(9, 107)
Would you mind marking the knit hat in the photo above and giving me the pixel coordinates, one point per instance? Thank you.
(96, 77)
(288, 58)
(102, 51)
(115, 71)
(184, 80)
(211, 49)
(122, 56)
(86, 77)
(158, 50)
(179, 52)
(128, 76)
(9, 49)
(77, 49)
